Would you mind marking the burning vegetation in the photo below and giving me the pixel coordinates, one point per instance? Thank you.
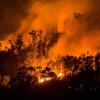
(49, 48)
(33, 65)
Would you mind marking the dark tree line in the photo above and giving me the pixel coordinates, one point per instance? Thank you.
(16, 55)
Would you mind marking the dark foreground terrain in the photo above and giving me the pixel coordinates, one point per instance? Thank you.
(55, 90)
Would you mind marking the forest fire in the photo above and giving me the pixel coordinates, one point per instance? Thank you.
(49, 48)
(36, 64)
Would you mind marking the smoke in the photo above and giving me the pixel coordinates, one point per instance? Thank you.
(77, 20)
(12, 12)
(51, 13)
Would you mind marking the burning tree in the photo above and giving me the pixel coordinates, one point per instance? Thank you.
(26, 68)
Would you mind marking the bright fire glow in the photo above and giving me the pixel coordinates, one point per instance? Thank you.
(48, 79)
(42, 80)
(60, 76)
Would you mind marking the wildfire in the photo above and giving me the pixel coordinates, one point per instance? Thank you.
(60, 76)
(58, 70)
(48, 35)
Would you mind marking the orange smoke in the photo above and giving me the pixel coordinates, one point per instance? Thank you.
(61, 14)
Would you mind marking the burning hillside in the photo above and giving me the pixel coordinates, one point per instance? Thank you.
(49, 43)
(37, 48)
(33, 63)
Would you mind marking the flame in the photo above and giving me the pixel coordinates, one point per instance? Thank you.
(42, 80)
(65, 19)
(60, 75)
(62, 14)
